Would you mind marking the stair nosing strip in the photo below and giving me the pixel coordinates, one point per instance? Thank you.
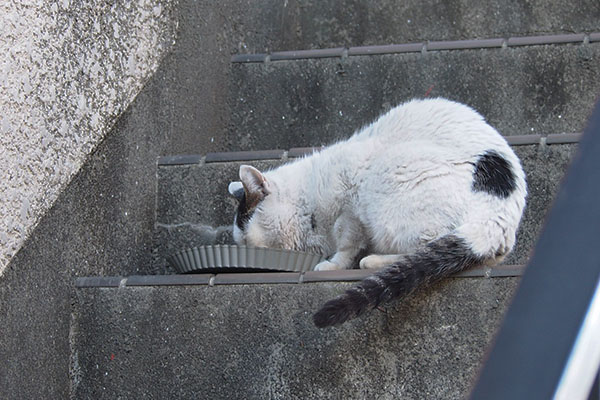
(256, 278)
(523, 140)
(435, 45)
(98, 281)
(168, 280)
(271, 277)
(563, 138)
(244, 155)
(416, 47)
(296, 152)
(330, 52)
(184, 159)
(545, 39)
(438, 45)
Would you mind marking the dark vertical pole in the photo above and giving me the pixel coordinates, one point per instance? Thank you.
(595, 393)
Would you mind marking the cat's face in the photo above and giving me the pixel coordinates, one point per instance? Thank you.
(270, 214)
(264, 218)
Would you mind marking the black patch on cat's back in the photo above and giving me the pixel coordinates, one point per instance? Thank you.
(493, 175)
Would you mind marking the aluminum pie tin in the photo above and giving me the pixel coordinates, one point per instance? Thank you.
(232, 258)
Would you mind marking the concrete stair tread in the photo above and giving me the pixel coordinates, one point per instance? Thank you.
(258, 341)
(244, 278)
(535, 89)
(314, 25)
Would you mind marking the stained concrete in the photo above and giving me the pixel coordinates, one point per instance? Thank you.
(537, 89)
(101, 224)
(68, 70)
(198, 193)
(272, 25)
(258, 342)
(195, 208)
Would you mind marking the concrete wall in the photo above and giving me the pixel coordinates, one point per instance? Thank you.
(102, 221)
(68, 70)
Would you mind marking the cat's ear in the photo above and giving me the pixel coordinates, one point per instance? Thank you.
(255, 184)
(236, 189)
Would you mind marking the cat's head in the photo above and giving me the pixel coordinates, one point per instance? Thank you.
(267, 214)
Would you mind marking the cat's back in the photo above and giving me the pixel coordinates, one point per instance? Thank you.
(440, 121)
(431, 135)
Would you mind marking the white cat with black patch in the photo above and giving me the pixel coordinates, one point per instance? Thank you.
(427, 190)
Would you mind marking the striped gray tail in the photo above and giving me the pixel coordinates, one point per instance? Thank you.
(441, 258)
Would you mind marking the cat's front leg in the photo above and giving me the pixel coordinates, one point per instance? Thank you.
(350, 241)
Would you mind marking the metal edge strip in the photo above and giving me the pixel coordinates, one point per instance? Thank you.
(98, 281)
(270, 277)
(515, 140)
(563, 138)
(438, 45)
(274, 154)
(184, 159)
(303, 54)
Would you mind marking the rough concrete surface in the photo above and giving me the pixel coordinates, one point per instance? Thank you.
(194, 207)
(309, 24)
(536, 89)
(198, 193)
(69, 68)
(258, 342)
(100, 224)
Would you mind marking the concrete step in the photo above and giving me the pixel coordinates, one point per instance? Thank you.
(302, 24)
(257, 341)
(194, 207)
(530, 89)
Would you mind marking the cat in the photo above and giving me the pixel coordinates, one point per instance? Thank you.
(425, 191)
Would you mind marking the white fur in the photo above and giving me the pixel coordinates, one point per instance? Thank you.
(393, 187)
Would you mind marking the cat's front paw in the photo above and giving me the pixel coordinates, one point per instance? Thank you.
(327, 266)
(373, 261)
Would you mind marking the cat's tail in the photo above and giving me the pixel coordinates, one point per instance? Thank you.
(439, 259)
